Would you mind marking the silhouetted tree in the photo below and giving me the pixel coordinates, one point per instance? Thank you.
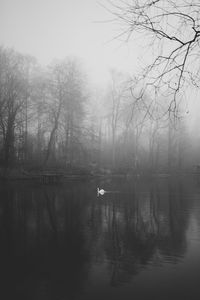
(172, 31)
(13, 97)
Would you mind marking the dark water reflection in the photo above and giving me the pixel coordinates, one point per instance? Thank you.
(62, 242)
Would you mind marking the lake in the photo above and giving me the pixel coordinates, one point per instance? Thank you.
(62, 242)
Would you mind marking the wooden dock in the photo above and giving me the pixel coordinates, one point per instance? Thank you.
(50, 178)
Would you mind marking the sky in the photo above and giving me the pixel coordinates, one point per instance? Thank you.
(49, 29)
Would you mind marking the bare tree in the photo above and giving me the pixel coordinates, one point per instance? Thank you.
(65, 106)
(116, 96)
(172, 29)
(39, 98)
(55, 104)
(13, 92)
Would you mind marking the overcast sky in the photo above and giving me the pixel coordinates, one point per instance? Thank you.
(50, 29)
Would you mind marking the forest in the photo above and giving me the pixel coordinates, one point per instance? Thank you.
(99, 149)
(52, 118)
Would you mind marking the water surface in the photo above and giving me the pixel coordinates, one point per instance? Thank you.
(63, 242)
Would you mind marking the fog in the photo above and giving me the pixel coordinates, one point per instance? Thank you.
(99, 149)
(53, 117)
(79, 93)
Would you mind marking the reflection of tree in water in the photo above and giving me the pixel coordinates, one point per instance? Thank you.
(50, 235)
(42, 241)
(174, 245)
(146, 226)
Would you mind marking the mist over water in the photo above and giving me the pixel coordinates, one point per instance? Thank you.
(64, 242)
(99, 150)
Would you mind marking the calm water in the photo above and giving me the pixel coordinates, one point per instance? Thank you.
(63, 242)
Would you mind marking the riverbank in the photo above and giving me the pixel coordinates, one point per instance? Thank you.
(22, 174)
(57, 175)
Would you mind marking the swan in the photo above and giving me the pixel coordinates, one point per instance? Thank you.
(100, 192)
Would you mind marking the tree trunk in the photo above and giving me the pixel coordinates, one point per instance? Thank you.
(9, 143)
(50, 144)
(52, 135)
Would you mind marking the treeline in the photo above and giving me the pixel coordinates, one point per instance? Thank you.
(50, 117)
(41, 111)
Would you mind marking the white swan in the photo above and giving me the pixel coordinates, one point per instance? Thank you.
(100, 192)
